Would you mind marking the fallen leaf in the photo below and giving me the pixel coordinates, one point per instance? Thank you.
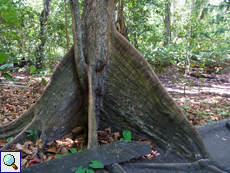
(39, 143)
(24, 163)
(78, 129)
(108, 130)
(9, 106)
(52, 150)
(34, 161)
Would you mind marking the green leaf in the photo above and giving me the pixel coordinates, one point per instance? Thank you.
(209, 113)
(29, 131)
(89, 170)
(2, 57)
(12, 69)
(198, 111)
(67, 154)
(6, 66)
(209, 121)
(96, 164)
(43, 81)
(7, 76)
(222, 113)
(9, 139)
(80, 170)
(32, 69)
(186, 106)
(73, 150)
(186, 114)
(127, 135)
(82, 150)
(59, 155)
(122, 139)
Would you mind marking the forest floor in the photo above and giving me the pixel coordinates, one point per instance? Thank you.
(204, 99)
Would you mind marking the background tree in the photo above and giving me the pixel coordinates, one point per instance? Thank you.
(167, 21)
(43, 24)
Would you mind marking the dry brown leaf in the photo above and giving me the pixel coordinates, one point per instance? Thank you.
(78, 129)
(39, 143)
(70, 141)
(50, 157)
(52, 150)
(101, 133)
(24, 163)
(64, 150)
(116, 135)
(69, 135)
(23, 149)
(108, 130)
(61, 143)
(9, 106)
(28, 142)
(5, 121)
(104, 142)
(18, 145)
(2, 141)
(80, 138)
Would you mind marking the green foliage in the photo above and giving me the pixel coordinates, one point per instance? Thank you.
(9, 139)
(43, 81)
(81, 150)
(73, 150)
(209, 121)
(223, 112)
(2, 57)
(59, 155)
(126, 135)
(8, 13)
(31, 133)
(7, 76)
(94, 164)
(200, 113)
(186, 106)
(208, 46)
(32, 69)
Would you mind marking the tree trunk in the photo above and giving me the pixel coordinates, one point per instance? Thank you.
(43, 23)
(121, 20)
(124, 95)
(167, 22)
(66, 27)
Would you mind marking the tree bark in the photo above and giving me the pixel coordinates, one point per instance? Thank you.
(43, 24)
(125, 95)
(66, 27)
(167, 22)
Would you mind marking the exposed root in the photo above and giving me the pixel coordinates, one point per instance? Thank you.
(21, 136)
(16, 126)
(92, 124)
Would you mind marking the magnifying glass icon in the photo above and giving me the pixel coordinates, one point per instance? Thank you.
(9, 160)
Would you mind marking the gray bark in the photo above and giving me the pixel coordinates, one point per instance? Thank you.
(43, 24)
(167, 22)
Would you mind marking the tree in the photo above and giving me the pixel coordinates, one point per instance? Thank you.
(43, 22)
(167, 22)
(123, 94)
